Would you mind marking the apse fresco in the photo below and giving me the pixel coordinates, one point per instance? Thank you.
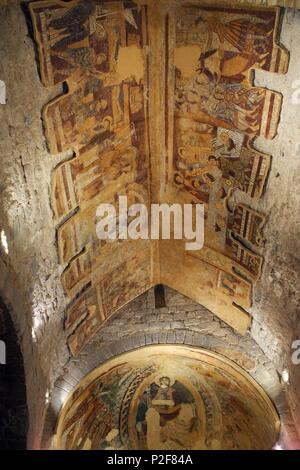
(167, 397)
(159, 104)
(98, 50)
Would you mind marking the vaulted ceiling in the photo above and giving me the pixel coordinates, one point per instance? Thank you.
(160, 105)
(176, 114)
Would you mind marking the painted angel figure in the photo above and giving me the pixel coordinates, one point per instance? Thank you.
(252, 39)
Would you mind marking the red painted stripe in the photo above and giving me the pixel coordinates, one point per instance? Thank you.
(270, 114)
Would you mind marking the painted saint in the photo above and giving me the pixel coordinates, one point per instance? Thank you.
(167, 416)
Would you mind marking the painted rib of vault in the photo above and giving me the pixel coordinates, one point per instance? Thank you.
(172, 127)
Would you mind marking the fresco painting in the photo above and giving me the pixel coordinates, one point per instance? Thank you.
(213, 115)
(158, 103)
(167, 397)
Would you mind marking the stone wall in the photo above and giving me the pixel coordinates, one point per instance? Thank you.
(277, 295)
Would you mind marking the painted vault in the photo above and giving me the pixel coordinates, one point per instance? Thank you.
(161, 107)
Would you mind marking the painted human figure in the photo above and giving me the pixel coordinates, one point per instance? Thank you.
(171, 420)
(166, 401)
(241, 33)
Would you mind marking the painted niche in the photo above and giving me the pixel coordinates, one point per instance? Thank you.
(167, 397)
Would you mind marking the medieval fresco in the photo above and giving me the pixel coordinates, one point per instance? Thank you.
(167, 397)
(213, 115)
(158, 103)
(97, 50)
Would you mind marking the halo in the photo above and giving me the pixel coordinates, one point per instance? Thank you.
(164, 374)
